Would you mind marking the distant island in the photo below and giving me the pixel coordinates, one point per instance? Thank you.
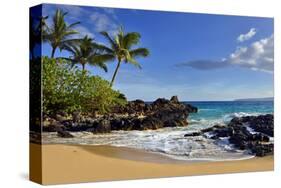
(256, 99)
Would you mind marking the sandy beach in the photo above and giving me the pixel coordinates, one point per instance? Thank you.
(72, 164)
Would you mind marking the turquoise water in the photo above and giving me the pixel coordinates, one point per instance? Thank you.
(226, 110)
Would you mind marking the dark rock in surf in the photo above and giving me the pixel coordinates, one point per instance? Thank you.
(193, 134)
(247, 133)
(224, 132)
(261, 123)
(103, 126)
(262, 150)
(64, 134)
(191, 109)
(52, 125)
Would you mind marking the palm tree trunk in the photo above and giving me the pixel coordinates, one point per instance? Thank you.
(53, 52)
(115, 72)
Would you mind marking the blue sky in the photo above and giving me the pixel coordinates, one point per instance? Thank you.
(195, 56)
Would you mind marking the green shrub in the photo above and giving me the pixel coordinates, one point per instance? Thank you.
(69, 89)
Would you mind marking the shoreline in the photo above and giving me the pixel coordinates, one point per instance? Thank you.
(141, 155)
(84, 163)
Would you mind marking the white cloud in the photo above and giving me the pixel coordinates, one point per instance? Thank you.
(103, 22)
(258, 56)
(247, 36)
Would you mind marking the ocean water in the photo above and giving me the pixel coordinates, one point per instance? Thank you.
(226, 110)
(171, 141)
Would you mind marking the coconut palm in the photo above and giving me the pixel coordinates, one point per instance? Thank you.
(59, 33)
(121, 49)
(85, 52)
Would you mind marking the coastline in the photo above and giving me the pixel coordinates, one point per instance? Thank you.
(84, 163)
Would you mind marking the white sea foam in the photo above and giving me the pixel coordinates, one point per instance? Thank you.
(207, 109)
(167, 141)
(249, 129)
(228, 117)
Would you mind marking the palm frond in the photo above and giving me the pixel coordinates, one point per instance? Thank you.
(131, 39)
(130, 59)
(102, 65)
(102, 48)
(71, 47)
(139, 52)
(134, 62)
(69, 42)
(69, 32)
(73, 24)
(68, 48)
(101, 58)
(111, 41)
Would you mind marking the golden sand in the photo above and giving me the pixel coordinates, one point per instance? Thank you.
(72, 164)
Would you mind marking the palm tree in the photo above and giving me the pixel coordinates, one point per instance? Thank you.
(58, 34)
(85, 52)
(121, 49)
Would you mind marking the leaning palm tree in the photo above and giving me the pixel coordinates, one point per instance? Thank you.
(121, 49)
(59, 32)
(85, 52)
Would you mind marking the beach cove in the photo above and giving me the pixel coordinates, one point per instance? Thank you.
(217, 131)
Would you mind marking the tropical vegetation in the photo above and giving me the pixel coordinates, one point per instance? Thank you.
(68, 88)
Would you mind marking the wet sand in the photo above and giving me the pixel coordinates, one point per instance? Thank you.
(73, 164)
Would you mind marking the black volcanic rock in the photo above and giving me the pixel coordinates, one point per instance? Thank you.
(103, 126)
(151, 123)
(52, 125)
(263, 149)
(250, 132)
(140, 107)
(191, 109)
(76, 116)
(161, 113)
(174, 99)
(193, 134)
(64, 134)
(133, 107)
(136, 115)
(262, 123)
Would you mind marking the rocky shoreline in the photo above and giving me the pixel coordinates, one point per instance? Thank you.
(251, 133)
(136, 115)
